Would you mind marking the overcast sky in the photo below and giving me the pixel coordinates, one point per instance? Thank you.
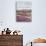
(24, 4)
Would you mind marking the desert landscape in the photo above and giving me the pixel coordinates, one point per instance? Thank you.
(24, 15)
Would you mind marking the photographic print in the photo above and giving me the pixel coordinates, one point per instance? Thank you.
(23, 11)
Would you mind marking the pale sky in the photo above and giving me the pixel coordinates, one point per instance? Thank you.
(24, 4)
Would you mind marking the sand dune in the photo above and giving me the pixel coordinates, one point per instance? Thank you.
(39, 40)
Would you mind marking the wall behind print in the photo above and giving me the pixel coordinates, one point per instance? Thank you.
(7, 16)
(39, 18)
